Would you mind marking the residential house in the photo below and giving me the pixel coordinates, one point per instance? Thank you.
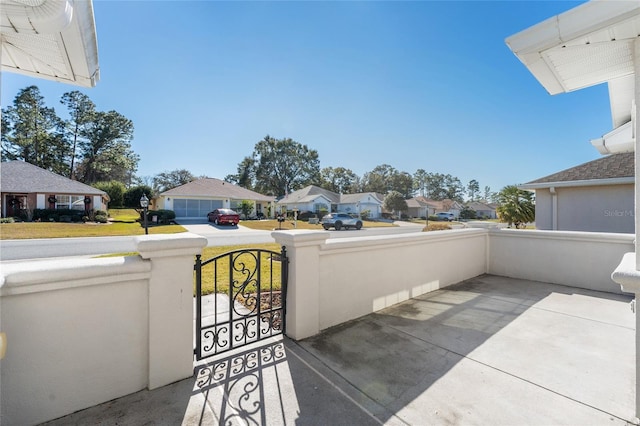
(483, 210)
(597, 196)
(25, 187)
(421, 207)
(315, 199)
(201, 196)
(420, 204)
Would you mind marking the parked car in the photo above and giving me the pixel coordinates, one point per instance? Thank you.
(446, 216)
(222, 216)
(339, 221)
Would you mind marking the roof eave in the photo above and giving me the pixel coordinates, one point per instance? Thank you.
(574, 183)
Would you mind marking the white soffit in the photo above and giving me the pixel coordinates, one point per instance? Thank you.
(51, 39)
(585, 46)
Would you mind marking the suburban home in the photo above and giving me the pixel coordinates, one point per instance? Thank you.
(421, 207)
(435, 206)
(25, 187)
(315, 199)
(201, 196)
(483, 210)
(597, 196)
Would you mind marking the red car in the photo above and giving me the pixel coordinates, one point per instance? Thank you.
(222, 216)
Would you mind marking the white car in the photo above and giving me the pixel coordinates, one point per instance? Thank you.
(446, 216)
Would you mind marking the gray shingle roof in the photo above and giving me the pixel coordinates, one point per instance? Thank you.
(18, 176)
(211, 187)
(610, 167)
(309, 193)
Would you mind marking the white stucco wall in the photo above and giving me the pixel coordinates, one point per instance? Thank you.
(81, 332)
(578, 259)
(335, 280)
(606, 208)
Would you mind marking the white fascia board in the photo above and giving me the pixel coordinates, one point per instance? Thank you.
(575, 183)
(574, 25)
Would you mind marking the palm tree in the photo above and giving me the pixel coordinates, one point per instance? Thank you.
(516, 207)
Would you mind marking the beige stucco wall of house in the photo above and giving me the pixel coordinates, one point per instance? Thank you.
(604, 208)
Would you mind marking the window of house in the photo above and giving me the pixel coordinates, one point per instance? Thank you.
(70, 202)
(318, 207)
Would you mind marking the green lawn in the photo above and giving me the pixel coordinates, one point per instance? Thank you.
(247, 261)
(123, 222)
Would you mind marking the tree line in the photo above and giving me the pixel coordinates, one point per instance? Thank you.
(94, 147)
(280, 166)
(90, 146)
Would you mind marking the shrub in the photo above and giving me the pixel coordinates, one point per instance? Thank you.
(114, 189)
(365, 214)
(50, 215)
(133, 195)
(439, 226)
(164, 216)
(7, 220)
(100, 216)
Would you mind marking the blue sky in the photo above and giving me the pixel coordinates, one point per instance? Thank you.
(418, 85)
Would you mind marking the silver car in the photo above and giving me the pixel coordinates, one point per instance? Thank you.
(339, 221)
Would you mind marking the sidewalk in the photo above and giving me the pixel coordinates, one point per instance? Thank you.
(490, 350)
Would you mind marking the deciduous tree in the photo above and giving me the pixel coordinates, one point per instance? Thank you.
(339, 179)
(395, 202)
(167, 180)
(280, 166)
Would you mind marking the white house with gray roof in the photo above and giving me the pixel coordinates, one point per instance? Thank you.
(199, 197)
(315, 199)
(25, 187)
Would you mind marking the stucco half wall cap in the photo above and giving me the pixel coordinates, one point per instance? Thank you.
(184, 243)
(300, 237)
(626, 274)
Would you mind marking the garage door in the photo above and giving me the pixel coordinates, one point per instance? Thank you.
(194, 208)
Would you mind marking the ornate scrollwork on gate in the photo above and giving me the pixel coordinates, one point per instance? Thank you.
(252, 283)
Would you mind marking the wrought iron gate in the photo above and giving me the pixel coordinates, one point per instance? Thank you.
(240, 299)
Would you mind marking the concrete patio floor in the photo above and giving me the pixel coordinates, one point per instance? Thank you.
(490, 350)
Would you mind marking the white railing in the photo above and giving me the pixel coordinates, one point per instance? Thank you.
(82, 332)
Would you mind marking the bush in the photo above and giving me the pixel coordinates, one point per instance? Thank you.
(7, 220)
(164, 216)
(100, 216)
(50, 215)
(365, 214)
(114, 189)
(440, 226)
(133, 195)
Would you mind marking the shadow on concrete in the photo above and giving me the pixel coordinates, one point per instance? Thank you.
(490, 350)
(491, 343)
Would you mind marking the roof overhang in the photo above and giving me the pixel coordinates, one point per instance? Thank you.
(576, 183)
(50, 39)
(585, 46)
